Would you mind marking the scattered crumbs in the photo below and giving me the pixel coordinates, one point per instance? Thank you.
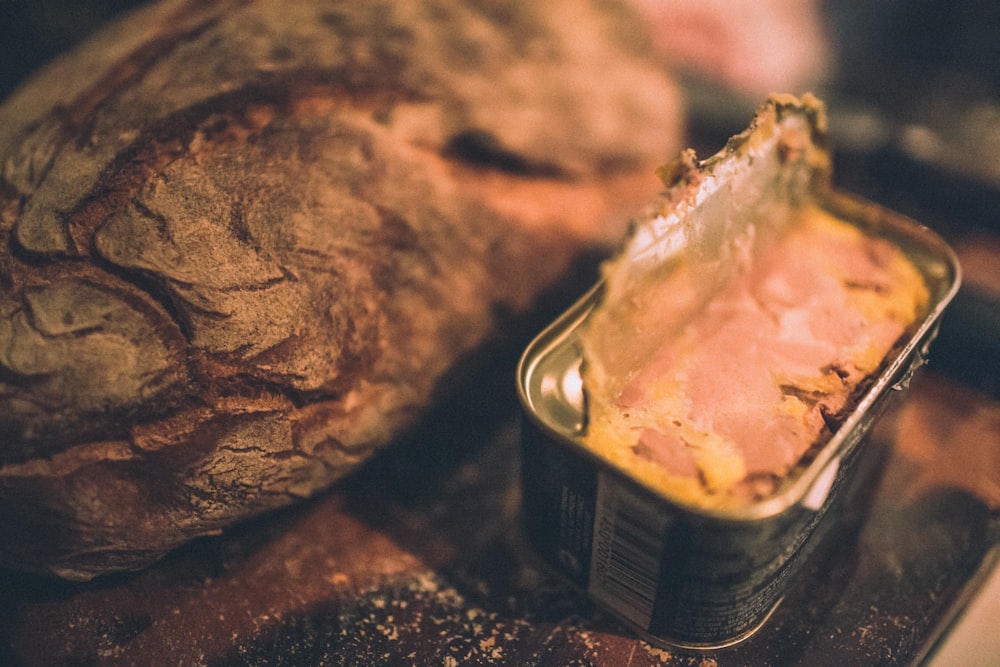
(114, 652)
(901, 622)
(429, 618)
(708, 662)
(663, 655)
(391, 632)
(489, 648)
(424, 582)
(588, 640)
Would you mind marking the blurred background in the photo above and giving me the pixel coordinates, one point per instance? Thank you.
(923, 74)
(929, 62)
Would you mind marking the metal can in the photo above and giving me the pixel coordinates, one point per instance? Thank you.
(676, 572)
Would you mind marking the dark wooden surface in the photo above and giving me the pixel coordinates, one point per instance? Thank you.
(418, 560)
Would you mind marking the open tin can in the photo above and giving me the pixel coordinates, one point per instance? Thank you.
(677, 570)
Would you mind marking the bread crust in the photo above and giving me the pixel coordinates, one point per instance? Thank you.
(245, 244)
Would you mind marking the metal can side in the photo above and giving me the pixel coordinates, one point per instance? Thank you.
(681, 575)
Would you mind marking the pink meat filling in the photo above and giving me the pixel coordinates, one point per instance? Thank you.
(769, 365)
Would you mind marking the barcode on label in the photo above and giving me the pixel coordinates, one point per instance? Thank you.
(629, 530)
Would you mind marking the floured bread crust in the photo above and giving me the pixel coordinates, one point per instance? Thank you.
(246, 243)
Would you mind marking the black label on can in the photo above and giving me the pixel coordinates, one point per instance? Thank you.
(673, 575)
(627, 551)
(560, 491)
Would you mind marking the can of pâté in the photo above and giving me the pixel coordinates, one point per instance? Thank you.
(677, 572)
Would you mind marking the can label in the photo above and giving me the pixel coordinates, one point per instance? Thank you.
(678, 578)
(627, 550)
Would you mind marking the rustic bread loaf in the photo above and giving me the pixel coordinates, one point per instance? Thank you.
(244, 242)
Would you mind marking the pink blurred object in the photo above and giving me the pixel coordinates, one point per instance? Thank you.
(752, 46)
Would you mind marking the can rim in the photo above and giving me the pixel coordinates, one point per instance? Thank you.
(941, 270)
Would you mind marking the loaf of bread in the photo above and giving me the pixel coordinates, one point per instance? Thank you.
(246, 243)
